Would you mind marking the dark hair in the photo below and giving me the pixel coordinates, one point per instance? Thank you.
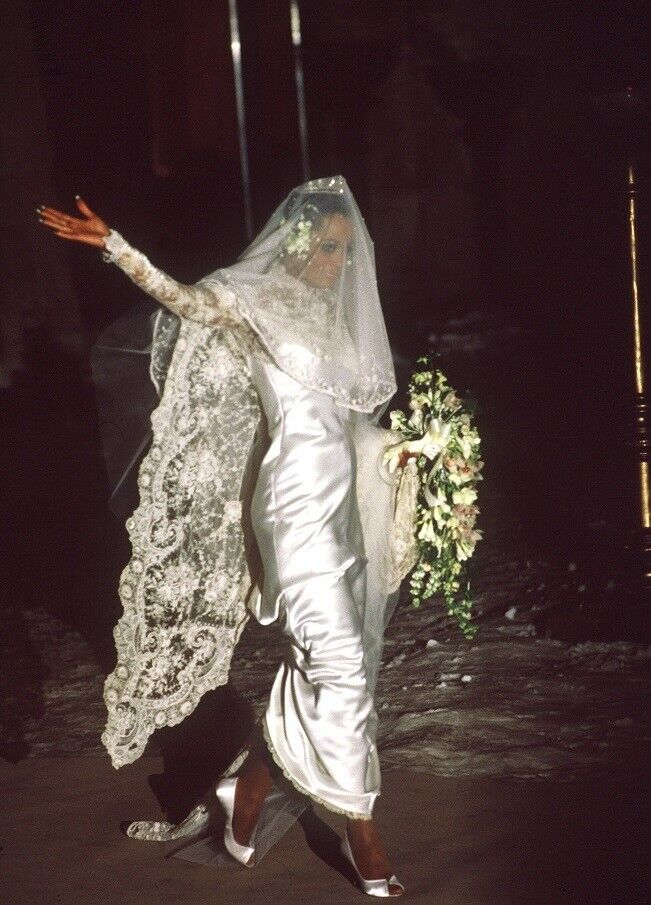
(322, 203)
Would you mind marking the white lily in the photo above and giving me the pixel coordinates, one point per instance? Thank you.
(437, 436)
(433, 441)
(466, 443)
(465, 496)
(416, 419)
(427, 531)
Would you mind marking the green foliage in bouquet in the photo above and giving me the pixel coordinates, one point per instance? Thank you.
(441, 442)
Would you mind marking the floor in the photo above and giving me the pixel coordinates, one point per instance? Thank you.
(454, 841)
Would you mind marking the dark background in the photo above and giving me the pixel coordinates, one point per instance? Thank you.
(488, 155)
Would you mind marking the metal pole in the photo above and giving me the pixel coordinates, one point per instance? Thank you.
(236, 52)
(623, 113)
(642, 440)
(300, 86)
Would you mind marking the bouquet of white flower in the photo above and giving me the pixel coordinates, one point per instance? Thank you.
(442, 444)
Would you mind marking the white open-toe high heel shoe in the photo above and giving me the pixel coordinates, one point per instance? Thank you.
(225, 792)
(370, 887)
(281, 809)
(205, 838)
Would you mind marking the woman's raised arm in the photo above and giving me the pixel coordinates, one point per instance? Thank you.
(209, 304)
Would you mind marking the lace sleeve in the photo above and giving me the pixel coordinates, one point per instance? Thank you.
(208, 303)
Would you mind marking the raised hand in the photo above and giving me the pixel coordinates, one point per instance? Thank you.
(89, 228)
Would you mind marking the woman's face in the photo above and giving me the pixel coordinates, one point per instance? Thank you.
(327, 252)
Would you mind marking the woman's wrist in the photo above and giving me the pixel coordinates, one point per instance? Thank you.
(114, 244)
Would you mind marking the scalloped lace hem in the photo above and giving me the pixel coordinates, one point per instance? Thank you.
(301, 788)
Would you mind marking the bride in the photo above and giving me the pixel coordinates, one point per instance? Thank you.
(263, 494)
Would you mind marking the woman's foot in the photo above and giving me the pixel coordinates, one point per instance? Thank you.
(253, 785)
(369, 852)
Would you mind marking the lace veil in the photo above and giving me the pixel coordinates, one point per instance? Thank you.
(307, 285)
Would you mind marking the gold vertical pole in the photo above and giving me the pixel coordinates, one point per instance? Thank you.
(641, 439)
(638, 356)
(624, 114)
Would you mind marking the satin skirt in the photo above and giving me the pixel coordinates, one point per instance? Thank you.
(320, 722)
